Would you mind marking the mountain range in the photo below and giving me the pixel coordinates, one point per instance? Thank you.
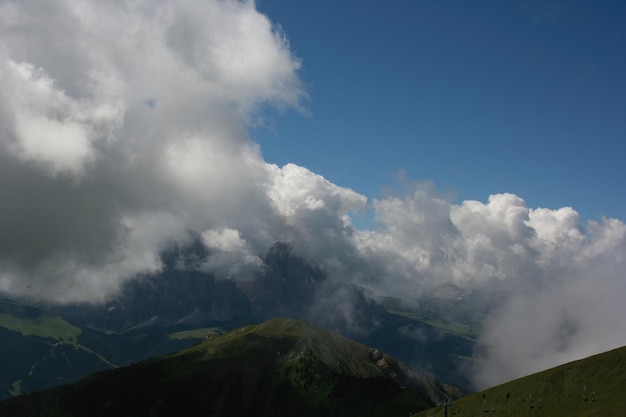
(45, 345)
(282, 367)
(286, 367)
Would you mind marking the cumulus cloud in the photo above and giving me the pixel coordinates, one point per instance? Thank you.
(123, 126)
(560, 283)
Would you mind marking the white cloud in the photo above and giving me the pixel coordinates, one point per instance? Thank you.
(560, 284)
(46, 124)
(63, 145)
(123, 126)
(546, 266)
(231, 255)
(576, 314)
(296, 192)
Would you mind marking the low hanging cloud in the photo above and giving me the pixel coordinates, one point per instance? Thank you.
(123, 125)
(560, 284)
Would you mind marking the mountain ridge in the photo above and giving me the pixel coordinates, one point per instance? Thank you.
(280, 367)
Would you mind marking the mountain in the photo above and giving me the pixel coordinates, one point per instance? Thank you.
(47, 345)
(448, 307)
(586, 388)
(282, 367)
(178, 293)
(39, 349)
(287, 285)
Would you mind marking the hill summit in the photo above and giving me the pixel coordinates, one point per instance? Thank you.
(281, 367)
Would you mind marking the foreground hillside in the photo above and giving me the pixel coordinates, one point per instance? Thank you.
(278, 368)
(590, 387)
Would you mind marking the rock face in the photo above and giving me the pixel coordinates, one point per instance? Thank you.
(287, 286)
(278, 368)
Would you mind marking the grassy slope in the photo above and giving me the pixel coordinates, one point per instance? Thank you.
(50, 326)
(280, 368)
(591, 387)
(448, 315)
(39, 350)
(195, 334)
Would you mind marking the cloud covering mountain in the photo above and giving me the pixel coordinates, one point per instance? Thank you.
(124, 124)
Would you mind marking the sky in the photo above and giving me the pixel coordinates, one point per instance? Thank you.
(477, 97)
(399, 149)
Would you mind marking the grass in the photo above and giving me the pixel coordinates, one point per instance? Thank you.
(450, 315)
(592, 387)
(201, 333)
(48, 326)
(53, 327)
(466, 331)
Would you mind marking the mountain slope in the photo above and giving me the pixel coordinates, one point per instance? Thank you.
(586, 388)
(278, 368)
(39, 350)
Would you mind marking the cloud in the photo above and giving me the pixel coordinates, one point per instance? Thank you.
(560, 284)
(231, 255)
(123, 126)
(571, 310)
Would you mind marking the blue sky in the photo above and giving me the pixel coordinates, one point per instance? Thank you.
(477, 97)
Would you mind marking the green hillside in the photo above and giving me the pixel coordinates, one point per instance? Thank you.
(592, 387)
(449, 308)
(48, 325)
(278, 368)
(40, 350)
